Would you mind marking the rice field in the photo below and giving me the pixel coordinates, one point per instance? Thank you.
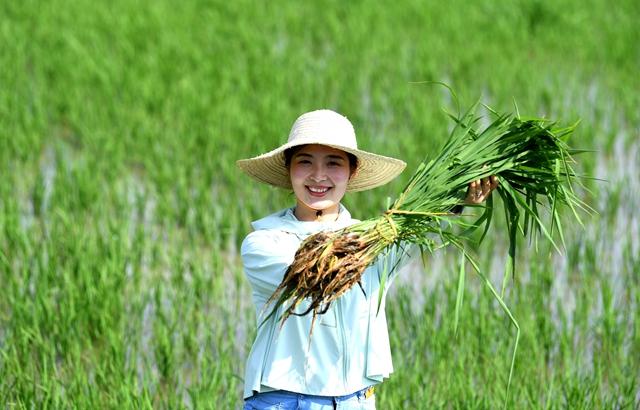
(121, 209)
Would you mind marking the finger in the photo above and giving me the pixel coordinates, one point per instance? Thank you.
(479, 188)
(486, 186)
(471, 191)
(494, 182)
(478, 194)
(472, 186)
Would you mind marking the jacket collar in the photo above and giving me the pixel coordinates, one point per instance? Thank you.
(285, 220)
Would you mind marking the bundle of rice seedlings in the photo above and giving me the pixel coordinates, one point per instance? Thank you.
(534, 166)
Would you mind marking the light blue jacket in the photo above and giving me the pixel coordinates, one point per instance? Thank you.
(349, 349)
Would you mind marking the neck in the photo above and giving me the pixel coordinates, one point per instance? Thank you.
(304, 213)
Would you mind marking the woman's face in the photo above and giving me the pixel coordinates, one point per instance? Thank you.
(319, 176)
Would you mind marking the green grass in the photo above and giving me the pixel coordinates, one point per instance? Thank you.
(121, 209)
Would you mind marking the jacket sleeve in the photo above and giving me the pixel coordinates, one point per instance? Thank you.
(265, 258)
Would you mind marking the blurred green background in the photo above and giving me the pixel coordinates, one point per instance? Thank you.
(121, 209)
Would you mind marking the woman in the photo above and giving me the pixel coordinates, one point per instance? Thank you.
(349, 352)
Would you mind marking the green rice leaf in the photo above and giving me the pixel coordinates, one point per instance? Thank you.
(460, 293)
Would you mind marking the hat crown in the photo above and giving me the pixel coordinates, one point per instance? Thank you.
(323, 127)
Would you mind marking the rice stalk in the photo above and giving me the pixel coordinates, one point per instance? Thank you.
(535, 169)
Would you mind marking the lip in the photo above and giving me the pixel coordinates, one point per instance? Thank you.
(318, 191)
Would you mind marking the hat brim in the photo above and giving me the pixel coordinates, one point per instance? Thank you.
(373, 170)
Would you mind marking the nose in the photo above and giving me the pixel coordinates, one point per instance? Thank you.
(318, 173)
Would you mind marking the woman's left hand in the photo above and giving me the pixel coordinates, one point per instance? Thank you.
(479, 190)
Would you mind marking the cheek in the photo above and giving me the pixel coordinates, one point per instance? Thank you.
(296, 173)
(340, 175)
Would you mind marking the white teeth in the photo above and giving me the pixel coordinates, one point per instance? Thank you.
(318, 190)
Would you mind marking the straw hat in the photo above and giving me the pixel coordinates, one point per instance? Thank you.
(328, 128)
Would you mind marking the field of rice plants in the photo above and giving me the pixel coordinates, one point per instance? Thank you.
(122, 211)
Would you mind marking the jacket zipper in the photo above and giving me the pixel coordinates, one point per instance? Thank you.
(345, 350)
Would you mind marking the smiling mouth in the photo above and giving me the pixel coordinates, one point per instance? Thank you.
(318, 191)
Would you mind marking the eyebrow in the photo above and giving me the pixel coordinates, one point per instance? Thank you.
(330, 156)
